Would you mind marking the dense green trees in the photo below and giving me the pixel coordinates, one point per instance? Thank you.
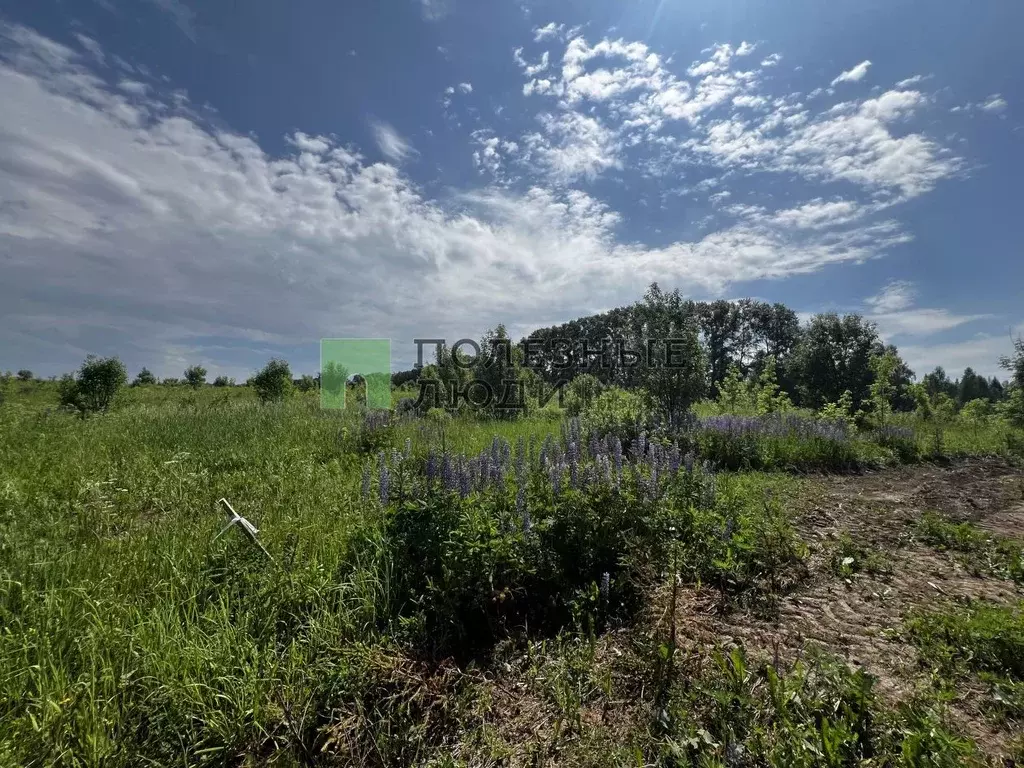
(834, 356)
(143, 378)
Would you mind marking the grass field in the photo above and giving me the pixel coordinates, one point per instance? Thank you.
(547, 599)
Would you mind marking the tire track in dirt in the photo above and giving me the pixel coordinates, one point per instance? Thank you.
(860, 619)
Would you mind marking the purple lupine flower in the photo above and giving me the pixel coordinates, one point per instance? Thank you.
(617, 455)
(574, 452)
(465, 482)
(595, 445)
(544, 455)
(527, 525)
(448, 477)
(589, 475)
(573, 475)
(688, 462)
(431, 468)
(521, 501)
(495, 450)
(506, 454)
(520, 459)
(641, 445)
(384, 482)
(674, 459)
(556, 480)
(606, 585)
(366, 481)
(533, 449)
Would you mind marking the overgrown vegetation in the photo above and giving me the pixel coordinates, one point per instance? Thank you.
(426, 575)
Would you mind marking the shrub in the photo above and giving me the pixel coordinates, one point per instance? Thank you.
(306, 384)
(506, 540)
(618, 412)
(900, 440)
(773, 441)
(144, 378)
(273, 382)
(94, 387)
(24, 375)
(582, 391)
(223, 381)
(195, 376)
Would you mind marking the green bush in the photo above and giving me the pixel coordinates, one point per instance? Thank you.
(94, 387)
(273, 382)
(619, 412)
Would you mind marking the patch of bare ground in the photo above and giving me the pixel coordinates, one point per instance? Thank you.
(860, 618)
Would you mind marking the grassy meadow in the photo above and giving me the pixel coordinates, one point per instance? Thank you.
(439, 591)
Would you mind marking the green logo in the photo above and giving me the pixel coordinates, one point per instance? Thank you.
(341, 359)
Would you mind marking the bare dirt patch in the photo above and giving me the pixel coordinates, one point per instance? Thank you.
(860, 618)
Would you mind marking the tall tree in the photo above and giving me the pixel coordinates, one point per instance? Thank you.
(835, 356)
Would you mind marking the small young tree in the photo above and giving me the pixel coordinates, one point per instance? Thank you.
(976, 412)
(170, 381)
(143, 378)
(1012, 407)
(273, 382)
(95, 386)
(223, 381)
(581, 392)
(306, 384)
(195, 376)
(768, 395)
(25, 375)
(882, 388)
(332, 383)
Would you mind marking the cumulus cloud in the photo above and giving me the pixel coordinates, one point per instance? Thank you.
(854, 75)
(133, 225)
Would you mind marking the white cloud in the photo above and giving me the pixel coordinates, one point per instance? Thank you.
(893, 311)
(92, 47)
(531, 70)
(573, 146)
(994, 103)
(391, 143)
(746, 48)
(897, 295)
(853, 75)
(910, 81)
(549, 31)
(771, 60)
(132, 225)
(980, 352)
(466, 87)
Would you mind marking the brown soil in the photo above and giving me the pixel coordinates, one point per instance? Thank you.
(859, 619)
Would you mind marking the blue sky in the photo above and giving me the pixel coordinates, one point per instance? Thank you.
(220, 183)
